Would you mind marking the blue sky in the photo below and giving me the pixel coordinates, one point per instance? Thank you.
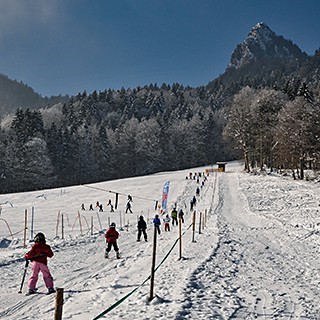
(68, 46)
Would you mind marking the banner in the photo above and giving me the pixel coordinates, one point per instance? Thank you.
(165, 197)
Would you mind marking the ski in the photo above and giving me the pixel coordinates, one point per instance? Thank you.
(37, 293)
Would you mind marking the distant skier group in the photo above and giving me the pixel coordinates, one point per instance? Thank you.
(167, 219)
(109, 204)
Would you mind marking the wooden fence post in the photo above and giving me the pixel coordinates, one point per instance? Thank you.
(100, 221)
(57, 226)
(153, 263)
(120, 219)
(25, 227)
(32, 220)
(180, 239)
(193, 225)
(62, 227)
(203, 220)
(80, 223)
(58, 304)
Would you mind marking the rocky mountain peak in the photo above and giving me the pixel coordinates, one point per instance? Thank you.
(263, 43)
(260, 35)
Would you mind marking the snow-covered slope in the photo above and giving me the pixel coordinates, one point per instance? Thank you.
(257, 256)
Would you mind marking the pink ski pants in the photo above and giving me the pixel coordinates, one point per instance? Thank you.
(47, 277)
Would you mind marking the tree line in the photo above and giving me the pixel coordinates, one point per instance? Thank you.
(129, 132)
(276, 129)
(110, 135)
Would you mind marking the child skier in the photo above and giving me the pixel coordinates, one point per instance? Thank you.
(38, 255)
(112, 236)
(166, 221)
(157, 223)
(174, 216)
(111, 205)
(180, 215)
(128, 208)
(142, 226)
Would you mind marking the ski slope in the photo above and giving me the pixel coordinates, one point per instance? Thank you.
(256, 258)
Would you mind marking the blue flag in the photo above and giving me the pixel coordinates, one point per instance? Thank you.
(165, 197)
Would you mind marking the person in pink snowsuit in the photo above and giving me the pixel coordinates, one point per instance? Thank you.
(38, 255)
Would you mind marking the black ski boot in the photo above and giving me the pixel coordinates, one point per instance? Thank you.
(51, 290)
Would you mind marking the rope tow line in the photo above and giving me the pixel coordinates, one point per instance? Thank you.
(135, 289)
(121, 300)
(123, 194)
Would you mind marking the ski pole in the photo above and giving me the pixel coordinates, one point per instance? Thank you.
(24, 275)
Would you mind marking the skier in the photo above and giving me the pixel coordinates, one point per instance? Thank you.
(142, 227)
(180, 215)
(128, 207)
(194, 200)
(191, 205)
(112, 236)
(101, 208)
(91, 207)
(111, 206)
(198, 191)
(38, 255)
(157, 223)
(174, 216)
(82, 207)
(166, 221)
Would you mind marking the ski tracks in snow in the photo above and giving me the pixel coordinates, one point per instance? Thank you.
(250, 274)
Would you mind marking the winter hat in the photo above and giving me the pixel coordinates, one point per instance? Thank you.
(112, 225)
(39, 237)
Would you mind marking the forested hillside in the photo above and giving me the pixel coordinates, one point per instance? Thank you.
(264, 108)
(110, 135)
(14, 94)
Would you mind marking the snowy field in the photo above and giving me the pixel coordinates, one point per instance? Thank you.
(256, 257)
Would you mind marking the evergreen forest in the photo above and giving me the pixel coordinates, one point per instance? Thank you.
(267, 112)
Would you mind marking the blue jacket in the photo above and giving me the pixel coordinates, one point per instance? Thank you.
(156, 222)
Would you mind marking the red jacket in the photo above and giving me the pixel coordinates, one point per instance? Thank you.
(112, 235)
(39, 252)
